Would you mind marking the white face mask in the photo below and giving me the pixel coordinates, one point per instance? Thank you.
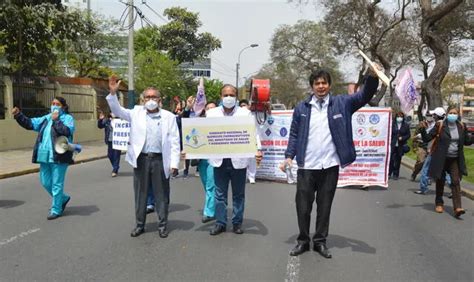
(229, 102)
(151, 105)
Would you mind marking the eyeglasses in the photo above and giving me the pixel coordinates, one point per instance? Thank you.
(155, 98)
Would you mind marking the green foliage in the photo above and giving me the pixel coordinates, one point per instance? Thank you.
(31, 34)
(154, 69)
(98, 45)
(180, 37)
(453, 83)
(147, 38)
(213, 89)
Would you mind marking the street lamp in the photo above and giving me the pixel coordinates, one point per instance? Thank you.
(238, 65)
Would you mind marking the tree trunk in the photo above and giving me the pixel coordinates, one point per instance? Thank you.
(429, 34)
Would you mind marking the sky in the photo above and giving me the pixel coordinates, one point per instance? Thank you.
(237, 23)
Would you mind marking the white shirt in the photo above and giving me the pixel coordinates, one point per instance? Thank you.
(153, 133)
(320, 151)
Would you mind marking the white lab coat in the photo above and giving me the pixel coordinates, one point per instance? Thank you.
(237, 163)
(137, 119)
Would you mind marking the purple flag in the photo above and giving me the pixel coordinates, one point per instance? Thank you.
(200, 102)
(406, 91)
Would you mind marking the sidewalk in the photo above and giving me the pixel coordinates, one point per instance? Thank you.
(467, 189)
(18, 162)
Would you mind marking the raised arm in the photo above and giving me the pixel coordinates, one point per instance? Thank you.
(113, 102)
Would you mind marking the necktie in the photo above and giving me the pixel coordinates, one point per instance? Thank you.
(320, 103)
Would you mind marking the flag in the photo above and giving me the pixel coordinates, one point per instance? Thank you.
(200, 102)
(406, 91)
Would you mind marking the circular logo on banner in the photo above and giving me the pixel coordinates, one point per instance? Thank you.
(283, 131)
(360, 131)
(270, 120)
(374, 119)
(361, 119)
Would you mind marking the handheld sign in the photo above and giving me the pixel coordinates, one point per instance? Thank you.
(379, 73)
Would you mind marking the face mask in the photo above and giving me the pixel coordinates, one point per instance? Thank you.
(399, 119)
(55, 108)
(151, 105)
(429, 119)
(452, 117)
(229, 102)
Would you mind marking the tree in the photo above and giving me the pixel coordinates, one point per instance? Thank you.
(295, 52)
(213, 90)
(98, 44)
(157, 70)
(180, 37)
(31, 34)
(451, 87)
(437, 40)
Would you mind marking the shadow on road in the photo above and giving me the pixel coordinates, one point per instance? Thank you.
(125, 174)
(252, 226)
(81, 210)
(178, 207)
(6, 204)
(173, 225)
(341, 242)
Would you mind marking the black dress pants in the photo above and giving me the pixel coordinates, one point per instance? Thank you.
(320, 184)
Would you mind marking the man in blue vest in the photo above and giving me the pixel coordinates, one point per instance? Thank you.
(321, 139)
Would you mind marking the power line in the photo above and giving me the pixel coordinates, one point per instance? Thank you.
(156, 13)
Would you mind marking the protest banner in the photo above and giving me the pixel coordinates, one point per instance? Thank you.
(121, 133)
(274, 140)
(229, 137)
(371, 132)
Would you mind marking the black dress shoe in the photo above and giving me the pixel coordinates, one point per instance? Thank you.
(322, 250)
(299, 249)
(53, 216)
(163, 232)
(65, 203)
(218, 229)
(237, 229)
(206, 219)
(137, 231)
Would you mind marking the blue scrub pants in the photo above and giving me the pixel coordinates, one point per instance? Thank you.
(52, 177)
(206, 172)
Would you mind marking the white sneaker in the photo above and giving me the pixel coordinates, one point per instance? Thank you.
(252, 181)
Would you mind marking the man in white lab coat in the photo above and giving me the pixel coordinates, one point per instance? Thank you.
(153, 151)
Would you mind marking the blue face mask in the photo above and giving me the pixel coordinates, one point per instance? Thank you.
(452, 117)
(55, 108)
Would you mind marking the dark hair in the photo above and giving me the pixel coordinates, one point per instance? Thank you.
(63, 102)
(243, 101)
(315, 75)
(400, 113)
(228, 85)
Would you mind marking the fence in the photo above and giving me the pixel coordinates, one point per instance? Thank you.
(33, 95)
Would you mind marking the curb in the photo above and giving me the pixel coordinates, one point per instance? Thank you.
(36, 169)
(468, 193)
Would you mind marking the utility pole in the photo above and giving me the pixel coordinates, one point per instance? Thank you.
(131, 86)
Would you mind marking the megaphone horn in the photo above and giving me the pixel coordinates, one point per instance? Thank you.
(62, 146)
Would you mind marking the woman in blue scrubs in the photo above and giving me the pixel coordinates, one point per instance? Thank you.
(53, 166)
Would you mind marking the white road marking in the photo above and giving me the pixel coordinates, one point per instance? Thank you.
(19, 236)
(292, 269)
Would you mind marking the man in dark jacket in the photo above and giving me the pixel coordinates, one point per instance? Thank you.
(114, 155)
(321, 139)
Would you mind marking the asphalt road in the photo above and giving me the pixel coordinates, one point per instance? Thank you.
(375, 235)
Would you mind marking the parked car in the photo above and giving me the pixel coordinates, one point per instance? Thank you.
(278, 107)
